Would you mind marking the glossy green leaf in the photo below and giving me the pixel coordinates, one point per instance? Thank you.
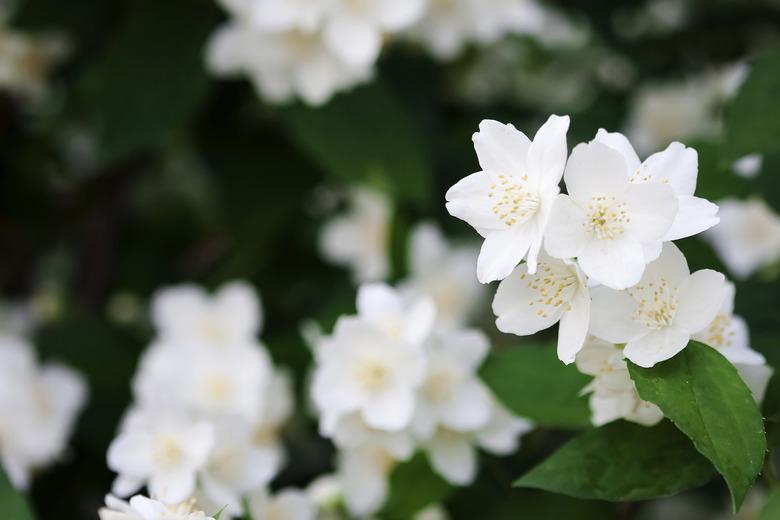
(753, 118)
(413, 486)
(365, 136)
(532, 382)
(622, 461)
(13, 505)
(702, 393)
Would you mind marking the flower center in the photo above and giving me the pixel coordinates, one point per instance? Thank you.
(219, 387)
(372, 375)
(167, 452)
(719, 334)
(657, 304)
(606, 217)
(513, 201)
(211, 330)
(554, 289)
(438, 387)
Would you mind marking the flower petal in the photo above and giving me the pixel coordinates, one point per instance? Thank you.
(453, 458)
(618, 264)
(620, 143)
(517, 307)
(548, 151)
(611, 315)
(652, 209)
(502, 251)
(677, 166)
(573, 328)
(694, 215)
(565, 236)
(501, 148)
(700, 298)
(656, 346)
(594, 169)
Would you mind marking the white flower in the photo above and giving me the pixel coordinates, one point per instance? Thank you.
(25, 61)
(276, 15)
(558, 292)
(510, 200)
(729, 334)
(325, 491)
(38, 409)
(363, 474)
(143, 508)
(677, 167)
(452, 396)
(287, 504)
(351, 432)
(449, 25)
(396, 316)
(613, 393)
(282, 65)
(453, 454)
(444, 273)
(606, 221)
(748, 236)
(657, 317)
(756, 377)
(161, 449)
(277, 410)
(432, 512)
(748, 166)
(187, 315)
(361, 369)
(236, 466)
(359, 239)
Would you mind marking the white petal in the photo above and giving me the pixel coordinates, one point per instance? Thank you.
(618, 264)
(516, 307)
(172, 487)
(573, 329)
(501, 148)
(611, 316)
(676, 166)
(468, 200)
(469, 409)
(239, 304)
(547, 153)
(375, 301)
(656, 346)
(565, 235)
(756, 377)
(353, 39)
(427, 248)
(671, 265)
(594, 169)
(419, 321)
(453, 458)
(620, 143)
(700, 299)
(652, 209)
(391, 411)
(694, 215)
(502, 251)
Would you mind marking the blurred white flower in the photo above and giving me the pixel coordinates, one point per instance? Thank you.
(143, 508)
(162, 450)
(606, 221)
(282, 65)
(748, 236)
(396, 316)
(748, 166)
(189, 316)
(558, 292)
(728, 334)
(325, 491)
(432, 512)
(359, 239)
(361, 369)
(38, 409)
(25, 61)
(449, 25)
(351, 432)
(657, 317)
(676, 111)
(677, 167)
(287, 504)
(612, 392)
(277, 409)
(363, 474)
(510, 200)
(452, 396)
(445, 274)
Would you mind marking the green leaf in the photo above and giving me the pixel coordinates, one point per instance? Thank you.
(753, 117)
(620, 462)
(365, 136)
(702, 393)
(413, 486)
(771, 510)
(13, 505)
(151, 78)
(533, 383)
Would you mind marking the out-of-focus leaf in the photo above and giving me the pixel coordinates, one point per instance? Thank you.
(13, 505)
(702, 393)
(622, 461)
(753, 117)
(771, 510)
(533, 383)
(413, 486)
(365, 136)
(151, 78)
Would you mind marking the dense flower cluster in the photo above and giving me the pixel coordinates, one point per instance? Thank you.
(39, 405)
(311, 50)
(390, 380)
(599, 260)
(208, 407)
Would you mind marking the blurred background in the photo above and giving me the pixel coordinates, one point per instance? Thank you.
(130, 162)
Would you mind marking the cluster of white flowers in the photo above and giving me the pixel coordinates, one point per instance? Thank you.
(390, 380)
(208, 407)
(312, 50)
(598, 260)
(39, 405)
